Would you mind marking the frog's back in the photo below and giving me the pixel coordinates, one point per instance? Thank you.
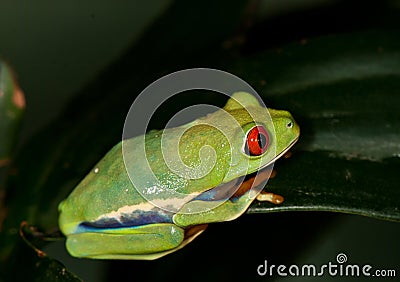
(107, 186)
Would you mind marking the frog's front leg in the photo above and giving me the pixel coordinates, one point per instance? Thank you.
(226, 211)
(203, 211)
(259, 180)
(140, 242)
(269, 196)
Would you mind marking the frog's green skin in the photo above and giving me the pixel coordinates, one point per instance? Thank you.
(105, 216)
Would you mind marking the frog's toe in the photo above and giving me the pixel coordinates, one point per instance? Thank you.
(270, 197)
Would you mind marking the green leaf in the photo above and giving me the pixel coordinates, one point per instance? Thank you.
(346, 100)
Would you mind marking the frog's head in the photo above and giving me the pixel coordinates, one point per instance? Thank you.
(264, 135)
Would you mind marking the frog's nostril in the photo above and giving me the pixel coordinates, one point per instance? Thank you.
(289, 124)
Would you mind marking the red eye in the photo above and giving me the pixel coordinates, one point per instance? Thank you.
(257, 141)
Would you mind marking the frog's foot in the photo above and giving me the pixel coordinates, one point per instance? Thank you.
(270, 197)
(254, 180)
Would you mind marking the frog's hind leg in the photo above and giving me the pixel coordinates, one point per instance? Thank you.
(190, 234)
(140, 242)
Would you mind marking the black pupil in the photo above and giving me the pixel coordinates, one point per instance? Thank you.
(262, 140)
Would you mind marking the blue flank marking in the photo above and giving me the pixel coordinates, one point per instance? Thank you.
(209, 195)
(138, 218)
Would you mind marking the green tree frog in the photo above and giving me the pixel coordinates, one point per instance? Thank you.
(107, 217)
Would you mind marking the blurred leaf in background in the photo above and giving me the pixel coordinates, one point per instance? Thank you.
(12, 107)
